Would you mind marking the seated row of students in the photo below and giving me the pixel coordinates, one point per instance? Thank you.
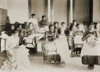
(55, 30)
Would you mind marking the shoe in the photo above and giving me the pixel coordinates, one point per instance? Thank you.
(90, 66)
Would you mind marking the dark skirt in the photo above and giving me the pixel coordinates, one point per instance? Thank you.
(87, 60)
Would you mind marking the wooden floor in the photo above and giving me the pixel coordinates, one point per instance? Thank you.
(38, 65)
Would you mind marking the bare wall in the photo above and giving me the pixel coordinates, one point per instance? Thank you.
(60, 10)
(81, 10)
(18, 10)
(96, 10)
(38, 7)
(3, 4)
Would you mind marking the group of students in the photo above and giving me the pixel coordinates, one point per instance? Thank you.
(14, 44)
(17, 54)
(90, 52)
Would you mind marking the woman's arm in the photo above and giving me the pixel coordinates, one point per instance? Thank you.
(85, 36)
(7, 44)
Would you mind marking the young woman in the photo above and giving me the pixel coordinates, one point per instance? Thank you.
(31, 29)
(63, 48)
(63, 28)
(17, 56)
(90, 49)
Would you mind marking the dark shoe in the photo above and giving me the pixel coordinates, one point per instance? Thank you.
(90, 66)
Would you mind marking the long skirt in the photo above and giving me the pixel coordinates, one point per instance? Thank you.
(63, 48)
(91, 55)
(18, 60)
(89, 50)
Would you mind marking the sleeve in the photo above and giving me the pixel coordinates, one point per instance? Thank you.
(18, 41)
(7, 43)
(96, 34)
(59, 30)
(37, 24)
(85, 36)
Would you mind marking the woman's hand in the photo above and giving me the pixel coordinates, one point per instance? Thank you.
(92, 44)
(16, 46)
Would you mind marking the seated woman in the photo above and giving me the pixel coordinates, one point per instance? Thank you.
(16, 55)
(63, 48)
(90, 50)
(50, 35)
(11, 29)
(21, 33)
(57, 29)
(31, 29)
(49, 48)
(63, 28)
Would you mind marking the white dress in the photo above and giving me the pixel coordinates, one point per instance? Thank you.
(91, 47)
(21, 58)
(11, 43)
(3, 41)
(63, 48)
(17, 57)
(34, 21)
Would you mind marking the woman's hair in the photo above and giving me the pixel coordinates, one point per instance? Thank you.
(91, 24)
(51, 26)
(74, 21)
(56, 23)
(43, 16)
(14, 32)
(32, 14)
(62, 23)
(30, 24)
(77, 25)
(71, 27)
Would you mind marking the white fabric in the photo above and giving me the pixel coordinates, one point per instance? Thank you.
(50, 46)
(11, 43)
(30, 42)
(63, 30)
(19, 55)
(78, 39)
(91, 48)
(34, 21)
(3, 41)
(62, 48)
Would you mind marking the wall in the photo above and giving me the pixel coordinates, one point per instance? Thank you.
(3, 4)
(60, 10)
(82, 10)
(3, 13)
(18, 10)
(96, 10)
(38, 7)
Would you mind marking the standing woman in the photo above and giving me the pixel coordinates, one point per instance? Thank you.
(90, 49)
(63, 48)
